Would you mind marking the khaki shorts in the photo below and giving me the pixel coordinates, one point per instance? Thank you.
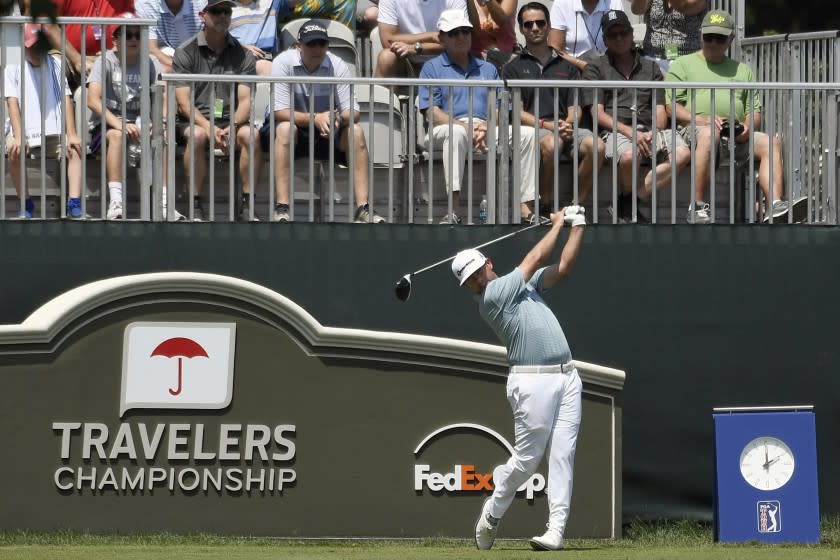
(51, 146)
(664, 141)
(742, 149)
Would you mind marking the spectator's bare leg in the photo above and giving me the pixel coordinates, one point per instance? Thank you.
(113, 155)
(196, 136)
(360, 153)
(703, 161)
(625, 172)
(663, 171)
(74, 174)
(388, 64)
(243, 143)
(547, 166)
(762, 153)
(282, 157)
(14, 171)
(586, 166)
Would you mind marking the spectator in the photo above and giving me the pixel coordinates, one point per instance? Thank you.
(311, 58)
(408, 34)
(495, 36)
(254, 25)
(672, 28)
(77, 68)
(576, 28)
(710, 64)
(367, 15)
(111, 83)
(26, 130)
(214, 51)
(539, 61)
(177, 21)
(623, 62)
(457, 63)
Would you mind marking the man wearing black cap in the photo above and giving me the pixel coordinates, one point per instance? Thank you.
(331, 124)
(213, 50)
(623, 63)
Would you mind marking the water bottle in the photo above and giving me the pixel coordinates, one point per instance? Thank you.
(482, 210)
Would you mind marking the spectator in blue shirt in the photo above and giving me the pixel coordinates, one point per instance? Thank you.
(456, 63)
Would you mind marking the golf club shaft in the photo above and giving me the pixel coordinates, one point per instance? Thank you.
(488, 243)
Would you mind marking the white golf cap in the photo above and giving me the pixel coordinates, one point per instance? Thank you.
(453, 19)
(466, 263)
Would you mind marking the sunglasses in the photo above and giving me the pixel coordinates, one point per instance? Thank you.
(219, 11)
(617, 34)
(317, 43)
(715, 38)
(540, 23)
(460, 31)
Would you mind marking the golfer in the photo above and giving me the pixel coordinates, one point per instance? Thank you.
(543, 386)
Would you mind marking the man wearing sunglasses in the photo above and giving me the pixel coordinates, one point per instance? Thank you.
(213, 50)
(106, 83)
(711, 64)
(331, 124)
(538, 60)
(639, 107)
(467, 130)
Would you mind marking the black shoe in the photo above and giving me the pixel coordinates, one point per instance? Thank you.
(198, 213)
(625, 210)
(243, 214)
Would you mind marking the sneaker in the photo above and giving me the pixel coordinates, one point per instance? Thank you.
(198, 212)
(779, 210)
(175, 217)
(701, 213)
(281, 213)
(74, 208)
(486, 527)
(799, 209)
(451, 219)
(364, 214)
(28, 210)
(115, 210)
(531, 219)
(244, 212)
(551, 540)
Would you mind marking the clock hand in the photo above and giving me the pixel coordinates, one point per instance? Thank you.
(766, 460)
(773, 460)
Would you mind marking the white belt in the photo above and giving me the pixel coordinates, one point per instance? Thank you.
(558, 368)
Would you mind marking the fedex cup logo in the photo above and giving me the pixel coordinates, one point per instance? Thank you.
(177, 365)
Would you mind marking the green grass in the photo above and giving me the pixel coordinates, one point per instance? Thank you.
(680, 540)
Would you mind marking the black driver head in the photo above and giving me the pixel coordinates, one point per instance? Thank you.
(403, 288)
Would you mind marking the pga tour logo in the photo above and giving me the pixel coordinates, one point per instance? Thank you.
(177, 365)
(769, 516)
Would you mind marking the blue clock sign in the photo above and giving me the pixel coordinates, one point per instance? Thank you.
(766, 475)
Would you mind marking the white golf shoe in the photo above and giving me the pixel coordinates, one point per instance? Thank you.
(115, 210)
(551, 540)
(486, 527)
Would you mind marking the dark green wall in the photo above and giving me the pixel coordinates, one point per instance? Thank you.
(697, 316)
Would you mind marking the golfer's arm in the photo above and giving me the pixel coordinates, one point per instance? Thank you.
(541, 251)
(568, 257)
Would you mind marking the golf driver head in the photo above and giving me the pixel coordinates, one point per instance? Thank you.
(403, 288)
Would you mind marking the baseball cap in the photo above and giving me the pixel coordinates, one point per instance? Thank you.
(312, 30)
(211, 3)
(717, 22)
(613, 18)
(114, 28)
(31, 33)
(466, 263)
(452, 19)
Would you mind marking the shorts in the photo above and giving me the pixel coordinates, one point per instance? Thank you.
(51, 145)
(181, 126)
(322, 144)
(582, 134)
(742, 149)
(664, 141)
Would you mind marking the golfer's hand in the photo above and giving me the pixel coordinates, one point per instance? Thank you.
(575, 216)
(558, 218)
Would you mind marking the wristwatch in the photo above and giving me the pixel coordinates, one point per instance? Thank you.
(418, 47)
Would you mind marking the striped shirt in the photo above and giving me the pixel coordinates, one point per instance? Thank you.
(171, 29)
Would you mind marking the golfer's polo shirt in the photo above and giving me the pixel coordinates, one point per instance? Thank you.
(644, 70)
(442, 68)
(527, 327)
(196, 57)
(528, 67)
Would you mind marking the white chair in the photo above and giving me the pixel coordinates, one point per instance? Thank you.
(385, 140)
(342, 40)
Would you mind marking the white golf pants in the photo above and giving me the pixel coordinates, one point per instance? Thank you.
(546, 415)
(462, 142)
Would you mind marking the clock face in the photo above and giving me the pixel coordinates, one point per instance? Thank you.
(767, 463)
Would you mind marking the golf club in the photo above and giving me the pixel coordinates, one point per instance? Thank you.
(403, 286)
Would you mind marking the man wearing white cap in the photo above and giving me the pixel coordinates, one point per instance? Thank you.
(457, 63)
(543, 386)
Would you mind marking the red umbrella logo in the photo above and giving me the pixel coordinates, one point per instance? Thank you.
(180, 348)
